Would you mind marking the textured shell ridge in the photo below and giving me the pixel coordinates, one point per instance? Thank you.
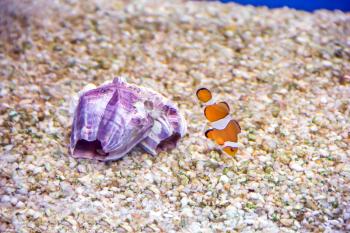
(88, 115)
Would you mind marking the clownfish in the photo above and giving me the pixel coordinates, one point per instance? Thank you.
(225, 130)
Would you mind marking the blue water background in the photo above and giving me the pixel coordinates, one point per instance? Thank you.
(306, 5)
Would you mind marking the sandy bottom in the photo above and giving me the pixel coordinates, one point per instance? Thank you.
(284, 73)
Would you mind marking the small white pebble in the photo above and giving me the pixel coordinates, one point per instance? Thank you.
(20, 204)
(30, 167)
(224, 179)
(5, 199)
(14, 200)
(37, 170)
(81, 168)
(296, 166)
(195, 227)
(184, 201)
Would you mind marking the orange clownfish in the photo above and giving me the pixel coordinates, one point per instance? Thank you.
(225, 129)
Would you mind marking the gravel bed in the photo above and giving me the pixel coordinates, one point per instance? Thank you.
(285, 74)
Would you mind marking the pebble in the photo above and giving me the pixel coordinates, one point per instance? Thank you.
(20, 205)
(184, 202)
(286, 222)
(224, 179)
(5, 199)
(195, 227)
(81, 168)
(37, 170)
(284, 158)
(296, 166)
(14, 200)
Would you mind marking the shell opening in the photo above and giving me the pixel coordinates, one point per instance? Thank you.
(168, 143)
(88, 149)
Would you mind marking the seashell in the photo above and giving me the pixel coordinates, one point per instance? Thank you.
(112, 119)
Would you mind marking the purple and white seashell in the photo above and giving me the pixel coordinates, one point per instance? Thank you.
(112, 119)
